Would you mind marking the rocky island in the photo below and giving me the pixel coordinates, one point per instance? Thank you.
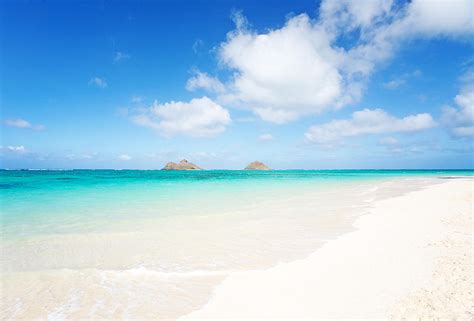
(257, 165)
(182, 165)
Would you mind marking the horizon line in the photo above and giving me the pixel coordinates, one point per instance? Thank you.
(228, 169)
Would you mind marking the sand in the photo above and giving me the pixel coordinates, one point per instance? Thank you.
(410, 257)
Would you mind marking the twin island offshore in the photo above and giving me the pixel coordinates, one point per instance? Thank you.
(185, 165)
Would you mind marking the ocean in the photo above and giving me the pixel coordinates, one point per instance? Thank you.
(146, 243)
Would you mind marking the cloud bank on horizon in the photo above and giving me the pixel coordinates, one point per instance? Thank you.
(307, 79)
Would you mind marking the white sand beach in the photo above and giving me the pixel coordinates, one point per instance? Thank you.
(410, 257)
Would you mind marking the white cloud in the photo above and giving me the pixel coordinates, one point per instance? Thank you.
(125, 157)
(21, 123)
(439, 17)
(202, 80)
(350, 15)
(302, 68)
(460, 120)
(265, 137)
(200, 117)
(416, 19)
(120, 56)
(367, 121)
(99, 82)
(279, 75)
(14, 149)
(428, 18)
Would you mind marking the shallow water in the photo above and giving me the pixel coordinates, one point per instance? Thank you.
(155, 243)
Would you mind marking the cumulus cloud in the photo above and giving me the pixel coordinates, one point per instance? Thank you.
(408, 21)
(439, 17)
(125, 157)
(365, 122)
(350, 15)
(98, 82)
(279, 75)
(265, 137)
(412, 18)
(200, 117)
(460, 120)
(202, 80)
(21, 123)
(306, 67)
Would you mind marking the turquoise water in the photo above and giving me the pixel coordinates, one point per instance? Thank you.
(24, 193)
(87, 200)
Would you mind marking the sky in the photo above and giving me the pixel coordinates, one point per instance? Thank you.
(302, 84)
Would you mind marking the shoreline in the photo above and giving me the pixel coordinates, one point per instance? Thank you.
(389, 267)
(273, 233)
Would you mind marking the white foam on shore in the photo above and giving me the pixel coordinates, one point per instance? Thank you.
(145, 271)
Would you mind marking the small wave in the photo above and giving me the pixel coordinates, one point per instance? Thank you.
(189, 274)
(73, 303)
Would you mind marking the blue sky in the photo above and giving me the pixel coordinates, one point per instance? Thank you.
(296, 84)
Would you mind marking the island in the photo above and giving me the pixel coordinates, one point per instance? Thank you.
(182, 165)
(257, 165)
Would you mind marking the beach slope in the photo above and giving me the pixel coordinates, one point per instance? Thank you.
(410, 256)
